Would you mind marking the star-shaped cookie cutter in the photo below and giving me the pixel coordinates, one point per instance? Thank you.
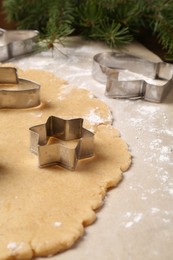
(128, 76)
(61, 142)
(16, 92)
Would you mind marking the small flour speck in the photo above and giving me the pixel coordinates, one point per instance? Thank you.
(14, 247)
(163, 158)
(145, 110)
(90, 95)
(129, 224)
(164, 178)
(134, 217)
(166, 212)
(171, 191)
(136, 121)
(57, 224)
(128, 214)
(166, 220)
(94, 118)
(166, 149)
(138, 217)
(36, 114)
(155, 210)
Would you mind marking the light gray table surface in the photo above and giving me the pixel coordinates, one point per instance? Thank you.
(136, 221)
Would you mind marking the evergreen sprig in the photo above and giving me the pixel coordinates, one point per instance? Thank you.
(59, 22)
(112, 33)
(116, 22)
(159, 17)
(95, 23)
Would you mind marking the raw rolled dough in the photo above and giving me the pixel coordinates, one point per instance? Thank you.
(44, 211)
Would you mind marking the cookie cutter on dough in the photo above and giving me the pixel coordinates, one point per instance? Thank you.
(17, 92)
(16, 42)
(61, 142)
(128, 76)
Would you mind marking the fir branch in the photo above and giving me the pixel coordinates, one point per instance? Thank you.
(60, 20)
(97, 23)
(27, 14)
(128, 13)
(164, 33)
(112, 33)
(114, 21)
(159, 18)
(89, 15)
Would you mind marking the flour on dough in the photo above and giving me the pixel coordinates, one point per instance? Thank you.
(44, 211)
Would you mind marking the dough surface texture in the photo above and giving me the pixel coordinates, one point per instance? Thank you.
(44, 211)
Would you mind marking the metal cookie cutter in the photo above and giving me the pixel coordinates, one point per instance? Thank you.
(128, 76)
(16, 92)
(61, 142)
(16, 42)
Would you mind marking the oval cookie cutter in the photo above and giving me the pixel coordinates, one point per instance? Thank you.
(61, 142)
(128, 76)
(14, 43)
(16, 92)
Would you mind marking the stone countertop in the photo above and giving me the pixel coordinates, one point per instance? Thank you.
(136, 221)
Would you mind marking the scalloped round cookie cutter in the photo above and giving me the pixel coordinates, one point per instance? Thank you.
(128, 76)
(17, 93)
